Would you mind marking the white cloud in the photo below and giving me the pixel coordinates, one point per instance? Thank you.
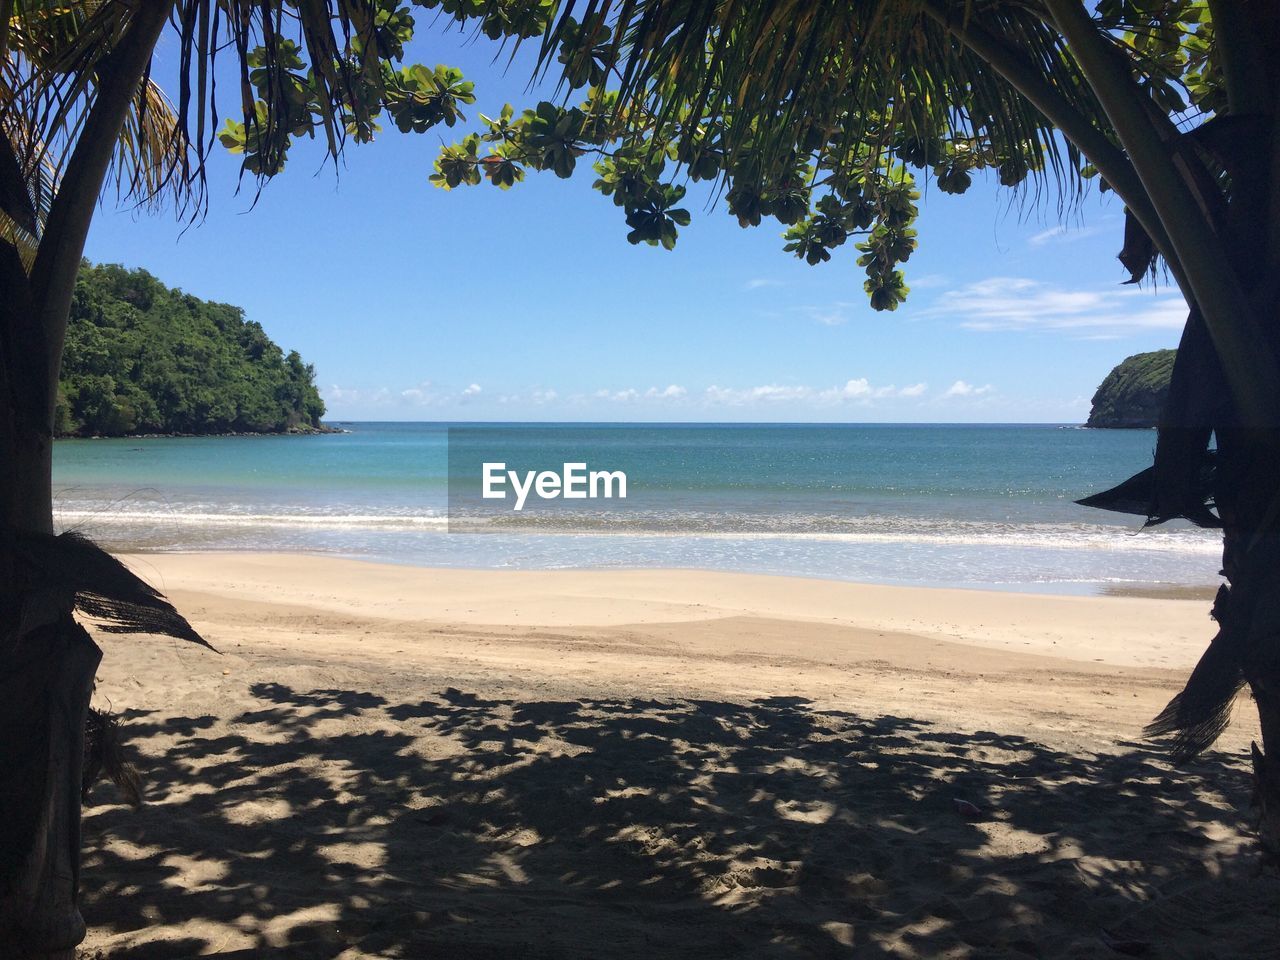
(424, 394)
(670, 392)
(832, 314)
(1062, 234)
(755, 283)
(927, 281)
(631, 394)
(773, 392)
(336, 395)
(1018, 303)
(767, 393)
(1044, 236)
(962, 388)
(859, 391)
(831, 318)
(856, 391)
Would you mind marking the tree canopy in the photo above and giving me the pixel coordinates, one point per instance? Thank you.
(144, 358)
(826, 117)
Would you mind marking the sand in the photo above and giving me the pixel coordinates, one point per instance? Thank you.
(389, 761)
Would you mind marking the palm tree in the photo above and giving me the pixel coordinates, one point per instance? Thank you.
(80, 113)
(817, 113)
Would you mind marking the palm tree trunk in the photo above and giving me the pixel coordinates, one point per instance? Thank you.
(1249, 503)
(44, 699)
(1225, 257)
(47, 661)
(45, 684)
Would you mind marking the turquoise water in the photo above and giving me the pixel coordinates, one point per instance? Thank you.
(955, 504)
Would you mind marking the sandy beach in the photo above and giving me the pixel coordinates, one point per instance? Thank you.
(390, 761)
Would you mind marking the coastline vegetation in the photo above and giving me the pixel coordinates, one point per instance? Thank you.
(1134, 392)
(144, 358)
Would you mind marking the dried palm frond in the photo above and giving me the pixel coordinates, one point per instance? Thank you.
(1199, 714)
(104, 755)
(100, 586)
(153, 163)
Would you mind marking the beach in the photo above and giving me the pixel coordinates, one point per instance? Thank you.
(396, 761)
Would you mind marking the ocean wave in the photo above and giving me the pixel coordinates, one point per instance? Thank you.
(874, 529)
(1030, 540)
(76, 518)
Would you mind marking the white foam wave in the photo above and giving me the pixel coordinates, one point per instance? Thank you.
(867, 530)
(76, 518)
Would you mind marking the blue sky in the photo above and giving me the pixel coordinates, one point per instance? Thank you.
(477, 304)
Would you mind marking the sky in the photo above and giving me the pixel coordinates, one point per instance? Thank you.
(416, 303)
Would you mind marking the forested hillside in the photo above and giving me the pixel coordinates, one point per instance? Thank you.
(144, 358)
(1133, 393)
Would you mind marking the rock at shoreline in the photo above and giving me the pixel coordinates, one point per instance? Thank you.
(1133, 394)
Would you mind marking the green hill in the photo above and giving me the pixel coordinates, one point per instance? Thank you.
(1133, 394)
(143, 358)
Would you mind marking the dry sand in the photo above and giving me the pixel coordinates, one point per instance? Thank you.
(391, 761)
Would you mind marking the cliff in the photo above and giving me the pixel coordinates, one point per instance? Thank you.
(1133, 393)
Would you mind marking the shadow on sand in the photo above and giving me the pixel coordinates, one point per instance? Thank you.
(334, 823)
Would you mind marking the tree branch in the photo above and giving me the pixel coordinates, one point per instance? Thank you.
(62, 244)
(1029, 81)
(1247, 358)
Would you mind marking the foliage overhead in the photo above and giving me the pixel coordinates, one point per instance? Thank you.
(144, 358)
(858, 103)
(824, 117)
(326, 69)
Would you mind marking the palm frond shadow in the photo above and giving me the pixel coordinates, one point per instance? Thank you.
(460, 826)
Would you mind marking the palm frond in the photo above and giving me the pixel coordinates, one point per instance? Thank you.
(47, 86)
(29, 176)
(55, 51)
(151, 166)
(154, 161)
(1201, 711)
(862, 77)
(100, 586)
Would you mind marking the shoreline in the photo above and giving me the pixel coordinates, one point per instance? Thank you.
(287, 432)
(1187, 588)
(1129, 633)
(1132, 589)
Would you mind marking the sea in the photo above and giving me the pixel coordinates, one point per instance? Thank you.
(978, 506)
